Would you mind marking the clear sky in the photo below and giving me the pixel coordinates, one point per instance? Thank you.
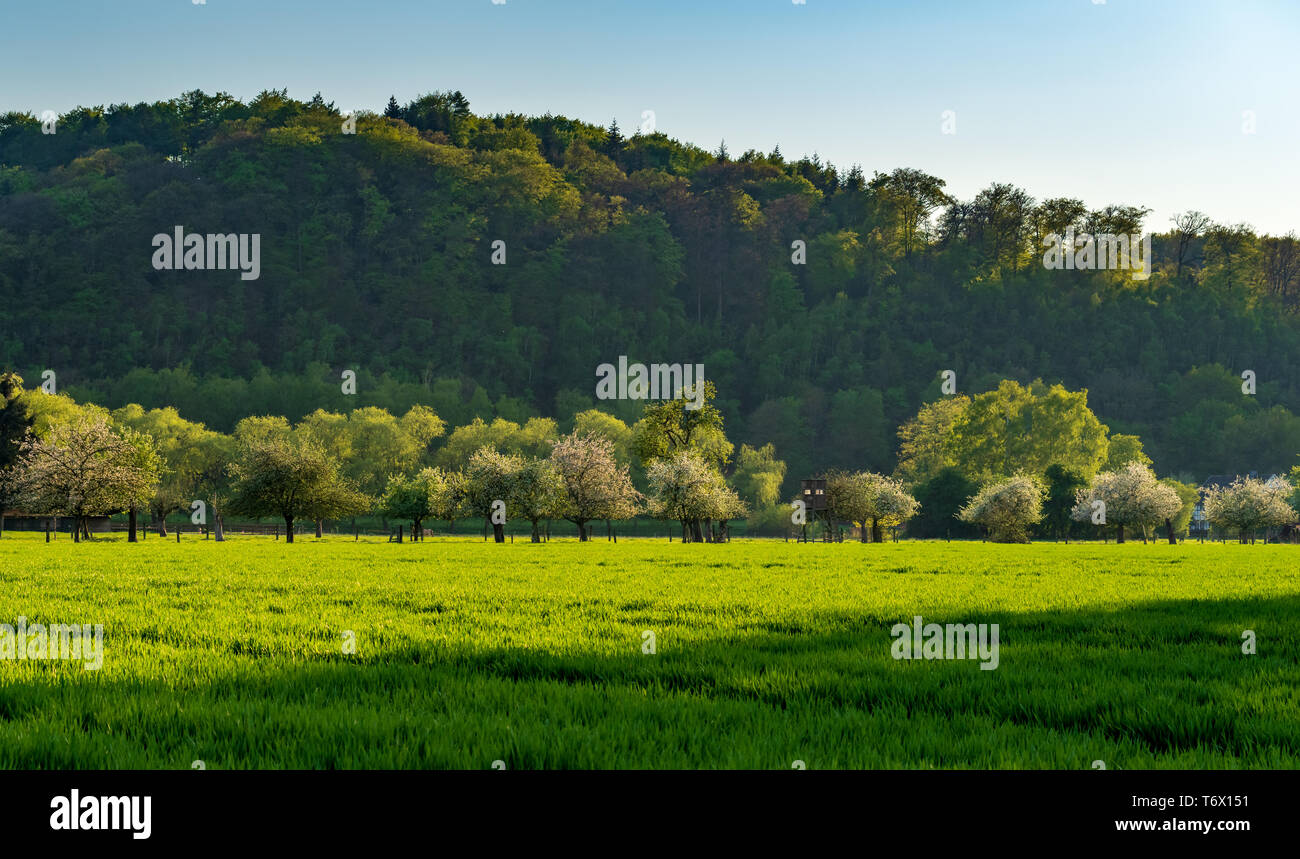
(1126, 101)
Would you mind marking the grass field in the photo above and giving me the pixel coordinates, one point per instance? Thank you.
(767, 653)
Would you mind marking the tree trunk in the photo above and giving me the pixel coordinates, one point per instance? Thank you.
(875, 530)
(498, 533)
(131, 535)
(162, 526)
(288, 529)
(76, 529)
(221, 531)
(537, 534)
(1119, 533)
(1169, 532)
(320, 528)
(862, 532)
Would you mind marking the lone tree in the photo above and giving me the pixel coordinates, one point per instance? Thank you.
(1007, 509)
(758, 476)
(891, 504)
(869, 500)
(447, 496)
(686, 489)
(411, 498)
(676, 425)
(1127, 496)
(538, 493)
(1250, 504)
(280, 475)
(489, 483)
(725, 504)
(87, 468)
(169, 498)
(849, 498)
(212, 479)
(595, 485)
(1025, 429)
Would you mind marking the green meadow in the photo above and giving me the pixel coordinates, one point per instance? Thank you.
(766, 653)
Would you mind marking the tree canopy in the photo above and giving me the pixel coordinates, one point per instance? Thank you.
(376, 257)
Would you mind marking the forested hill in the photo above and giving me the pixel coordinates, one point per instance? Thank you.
(377, 255)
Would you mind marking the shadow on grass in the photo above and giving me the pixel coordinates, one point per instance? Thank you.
(1164, 677)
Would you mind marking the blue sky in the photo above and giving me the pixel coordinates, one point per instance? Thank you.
(1127, 101)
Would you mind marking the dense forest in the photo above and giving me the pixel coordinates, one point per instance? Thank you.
(379, 255)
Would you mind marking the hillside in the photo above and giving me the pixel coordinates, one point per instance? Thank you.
(376, 254)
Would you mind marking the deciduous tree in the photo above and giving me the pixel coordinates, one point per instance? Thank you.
(290, 477)
(87, 468)
(1250, 504)
(1007, 508)
(595, 485)
(1131, 496)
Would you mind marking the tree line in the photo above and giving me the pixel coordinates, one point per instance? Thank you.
(80, 460)
(1006, 463)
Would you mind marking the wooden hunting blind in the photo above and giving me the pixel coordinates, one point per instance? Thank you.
(814, 494)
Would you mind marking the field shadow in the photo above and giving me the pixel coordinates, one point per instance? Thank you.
(1166, 676)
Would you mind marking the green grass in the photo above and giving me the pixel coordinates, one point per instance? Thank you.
(767, 653)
